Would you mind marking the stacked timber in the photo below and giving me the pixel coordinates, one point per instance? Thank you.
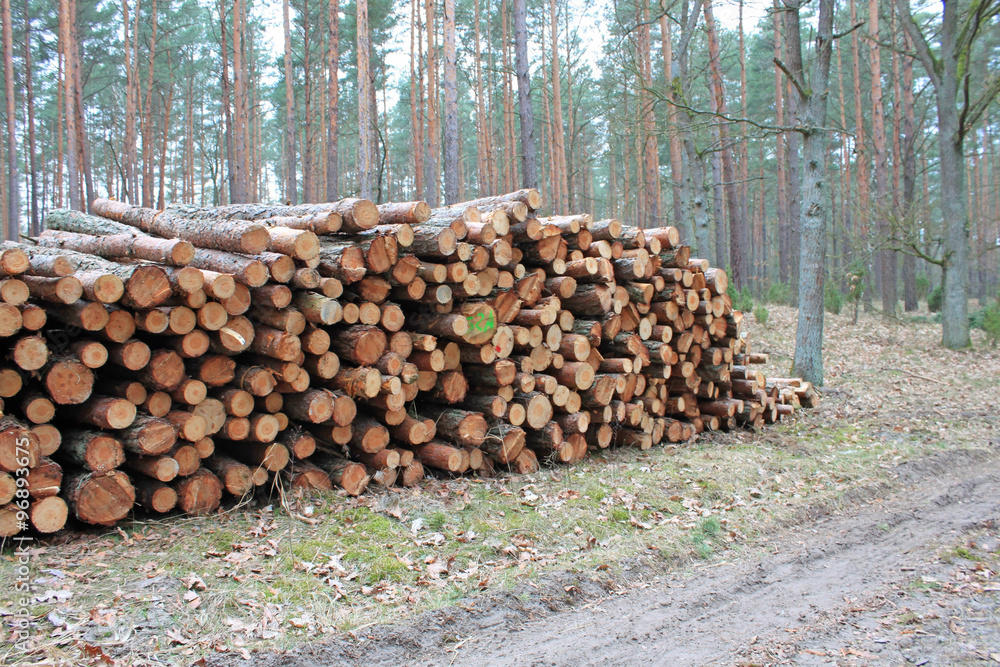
(169, 359)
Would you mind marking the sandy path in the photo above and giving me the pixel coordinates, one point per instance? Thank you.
(723, 613)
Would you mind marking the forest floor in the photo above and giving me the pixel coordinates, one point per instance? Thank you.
(860, 532)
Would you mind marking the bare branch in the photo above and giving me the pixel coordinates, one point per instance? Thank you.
(791, 77)
(923, 50)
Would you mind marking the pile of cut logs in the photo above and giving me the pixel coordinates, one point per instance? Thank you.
(164, 359)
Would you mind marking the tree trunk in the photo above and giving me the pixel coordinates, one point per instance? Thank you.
(861, 160)
(945, 72)
(291, 187)
(13, 206)
(432, 148)
(529, 169)
(909, 157)
(333, 104)
(227, 110)
(35, 225)
(167, 105)
(417, 100)
(131, 86)
(882, 203)
(784, 261)
(793, 45)
(81, 125)
(147, 114)
(66, 20)
(308, 194)
(452, 164)
(239, 165)
(558, 162)
(739, 237)
(650, 153)
(676, 165)
(366, 117)
(809, 334)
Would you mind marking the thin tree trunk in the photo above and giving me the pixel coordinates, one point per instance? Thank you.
(81, 125)
(147, 114)
(570, 127)
(366, 120)
(650, 154)
(739, 237)
(128, 146)
(845, 174)
(861, 159)
(290, 181)
(57, 184)
(676, 158)
(482, 131)
(35, 224)
(909, 158)
(167, 104)
(558, 166)
(548, 140)
(239, 166)
(744, 158)
(333, 104)
(882, 203)
(227, 111)
(13, 205)
(431, 152)
(308, 183)
(509, 149)
(719, 203)
(793, 45)
(529, 169)
(69, 99)
(452, 164)
(784, 254)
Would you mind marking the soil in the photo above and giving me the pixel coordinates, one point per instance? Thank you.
(865, 584)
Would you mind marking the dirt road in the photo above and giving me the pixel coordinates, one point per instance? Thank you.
(815, 594)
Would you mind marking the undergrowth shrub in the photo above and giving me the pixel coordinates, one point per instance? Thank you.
(833, 300)
(742, 299)
(923, 285)
(761, 314)
(934, 300)
(779, 293)
(989, 321)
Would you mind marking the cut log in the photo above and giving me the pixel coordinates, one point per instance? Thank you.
(221, 234)
(100, 499)
(199, 494)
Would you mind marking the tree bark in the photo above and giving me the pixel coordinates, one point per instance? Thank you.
(66, 19)
(882, 203)
(784, 261)
(35, 220)
(529, 168)
(452, 164)
(333, 103)
(366, 111)
(861, 159)
(13, 205)
(291, 187)
(650, 153)
(239, 165)
(809, 334)
(949, 73)
(909, 157)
